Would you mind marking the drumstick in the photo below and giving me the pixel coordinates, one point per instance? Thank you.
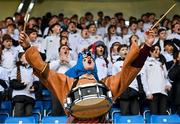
(163, 15)
(26, 18)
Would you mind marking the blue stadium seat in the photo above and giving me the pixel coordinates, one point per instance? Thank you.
(47, 101)
(127, 119)
(165, 119)
(54, 120)
(47, 106)
(113, 110)
(20, 120)
(38, 110)
(115, 114)
(3, 118)
(46, 94)
(147, 116)
(6, 108)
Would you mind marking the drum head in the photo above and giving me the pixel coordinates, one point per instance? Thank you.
(91, 108)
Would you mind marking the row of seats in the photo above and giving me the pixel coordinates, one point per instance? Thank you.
(42, 109)
(33, 120)
(116, 119)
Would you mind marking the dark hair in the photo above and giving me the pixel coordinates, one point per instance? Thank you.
(61, 40)
(20, 55)
(30, 30)
(153, 47)
(122, 46)
(140, 20)
(100, 13)
(12, 24)
(118, 14)
(110, 26)
(173, 25)
(91, 25)
(62, 46)
(6, 37)
(9, 18)
(133, 22)
(73, 22)
(160, 30)
(52, 26)
(130, 42)
(175, 56)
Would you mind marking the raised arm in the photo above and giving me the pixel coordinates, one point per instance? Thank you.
(59, 84)
(131, 67)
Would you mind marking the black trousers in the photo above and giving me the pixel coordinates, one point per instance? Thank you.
(159, 104)
(23, 105)
(129, 106)
(1, 97)
(178, 109)
(57, 109)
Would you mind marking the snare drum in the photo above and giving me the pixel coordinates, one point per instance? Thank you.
(89, 100)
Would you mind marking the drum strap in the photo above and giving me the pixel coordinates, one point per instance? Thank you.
(73, 86)
(101, 82)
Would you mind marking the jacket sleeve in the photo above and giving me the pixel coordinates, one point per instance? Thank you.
(3, 84)
(16, 85)
(174, 73)
(58, 84)
(144, 76)
(131, 67)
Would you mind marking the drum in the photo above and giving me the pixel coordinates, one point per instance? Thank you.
(89, 101)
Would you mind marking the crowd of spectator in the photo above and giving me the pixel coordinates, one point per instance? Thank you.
(59, 39)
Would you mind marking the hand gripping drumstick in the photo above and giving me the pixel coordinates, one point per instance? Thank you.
(163, 15)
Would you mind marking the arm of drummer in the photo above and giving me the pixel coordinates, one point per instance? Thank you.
(59, 84)
(131, 67)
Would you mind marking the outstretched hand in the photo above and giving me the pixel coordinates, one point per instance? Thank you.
(150, 37)
(24, 40)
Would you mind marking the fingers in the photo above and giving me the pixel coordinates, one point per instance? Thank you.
(24, 40)
(22, 37)
(150, 32)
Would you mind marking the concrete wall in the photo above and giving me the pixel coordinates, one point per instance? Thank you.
(8, 7)
(109, 7)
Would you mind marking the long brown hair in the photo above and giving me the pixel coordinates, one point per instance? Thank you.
(0, 53)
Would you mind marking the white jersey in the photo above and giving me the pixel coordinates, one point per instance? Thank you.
(9, 59)
(117, 67)
(51, 46)
(154, 77)
(27, 77)
(103, 70)
(113, 39)
(3, 76)
(61, 68)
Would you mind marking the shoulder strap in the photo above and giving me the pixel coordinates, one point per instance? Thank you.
(73, 86)
(75, 83)
(18, 72)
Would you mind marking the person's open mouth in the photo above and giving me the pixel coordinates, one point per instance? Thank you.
(89, 62)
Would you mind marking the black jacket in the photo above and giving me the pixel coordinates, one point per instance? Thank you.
(174, 75)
